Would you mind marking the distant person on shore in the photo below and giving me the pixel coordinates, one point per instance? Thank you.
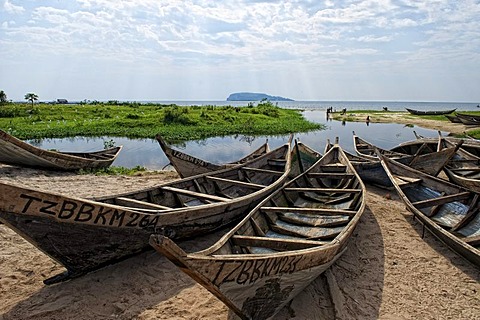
(344, 111)
(385, 108)
(367, 120)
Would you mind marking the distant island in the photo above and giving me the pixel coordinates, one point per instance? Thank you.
(252, 96)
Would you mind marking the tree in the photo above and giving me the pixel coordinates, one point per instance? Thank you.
(3, 97)
(31, 97)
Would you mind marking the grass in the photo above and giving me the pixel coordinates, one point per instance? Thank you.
(134, 120)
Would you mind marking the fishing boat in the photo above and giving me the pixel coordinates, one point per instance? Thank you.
(16, 152)
(448, 211)
(431, 144)
(468, 119)
(430, 113)
(86, 234)
(303, 157)
(463, 169)
(187, 165)
(453, 118)
(283, 244)
(372, 172)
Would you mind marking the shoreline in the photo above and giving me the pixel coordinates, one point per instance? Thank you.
(404, 118)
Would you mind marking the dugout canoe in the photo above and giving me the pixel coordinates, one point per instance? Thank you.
(282, 245)
(430, 112)
(86, 234)
(187, 165)
(448, 211)
(16, 152)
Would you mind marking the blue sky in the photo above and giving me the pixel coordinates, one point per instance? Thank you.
(204, 50)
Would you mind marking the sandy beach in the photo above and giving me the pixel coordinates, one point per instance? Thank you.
(388, 271)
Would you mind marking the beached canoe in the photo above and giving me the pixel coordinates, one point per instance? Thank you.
(468, 119)
(86, 234)
(187, 165)
(16, 152)
(463, 169)
(431, 144)
(303, 157)
(453, 118)
(287, 241)
(430, 112)
(372, 172)
(448, 211)
(366, 149)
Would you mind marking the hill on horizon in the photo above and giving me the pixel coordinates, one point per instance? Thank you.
(252, 96)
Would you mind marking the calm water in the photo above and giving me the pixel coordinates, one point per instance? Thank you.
(147, 152)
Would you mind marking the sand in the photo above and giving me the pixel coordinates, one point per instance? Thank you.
(389, 270)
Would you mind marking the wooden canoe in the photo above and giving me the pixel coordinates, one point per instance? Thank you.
(453, 118)
(431, 144)
(16, 152)
(187, 165)
(86, 234)
(282, 245)
(303, 157)
(450, 212)
(366, 149)
(463, 169)
(430, 112)
(467, 119)
(371, 170)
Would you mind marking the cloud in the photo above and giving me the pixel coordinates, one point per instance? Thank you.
(12, 9)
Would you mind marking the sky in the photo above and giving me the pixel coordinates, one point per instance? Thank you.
(144, 50)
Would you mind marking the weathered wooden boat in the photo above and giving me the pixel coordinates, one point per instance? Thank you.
(453, 118)
(448, 211)
(282, 245)
(86, 234)
(430, 112)
(16, 152)
(372, 172)
(467, 119)
(431, 145)
(303, 157)
(187, 165)
(368, 150)
(463, 169)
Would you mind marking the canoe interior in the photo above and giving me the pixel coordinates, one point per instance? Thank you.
(449, 211)
(283, 244)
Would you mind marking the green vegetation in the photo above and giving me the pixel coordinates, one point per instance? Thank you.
(135, 120)
(3, 97)
(113, 171)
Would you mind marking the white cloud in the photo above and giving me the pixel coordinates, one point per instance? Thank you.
(11, 8)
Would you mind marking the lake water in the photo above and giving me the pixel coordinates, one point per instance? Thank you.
(147, 152)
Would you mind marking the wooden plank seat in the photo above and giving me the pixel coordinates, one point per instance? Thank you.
(194, 194)
(236, 182)
(323, 211)
(274, 243)
(138, 204)
(330, 175)
(326, 190)
(441, 200)
(477, 169)
(279, 173)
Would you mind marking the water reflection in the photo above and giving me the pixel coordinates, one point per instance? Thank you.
(147, 152)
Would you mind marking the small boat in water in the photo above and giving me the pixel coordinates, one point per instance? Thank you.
(187, 165)
(448, 211)
(282, 245)
(430, 113)
(86, 234)
(16, 152)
